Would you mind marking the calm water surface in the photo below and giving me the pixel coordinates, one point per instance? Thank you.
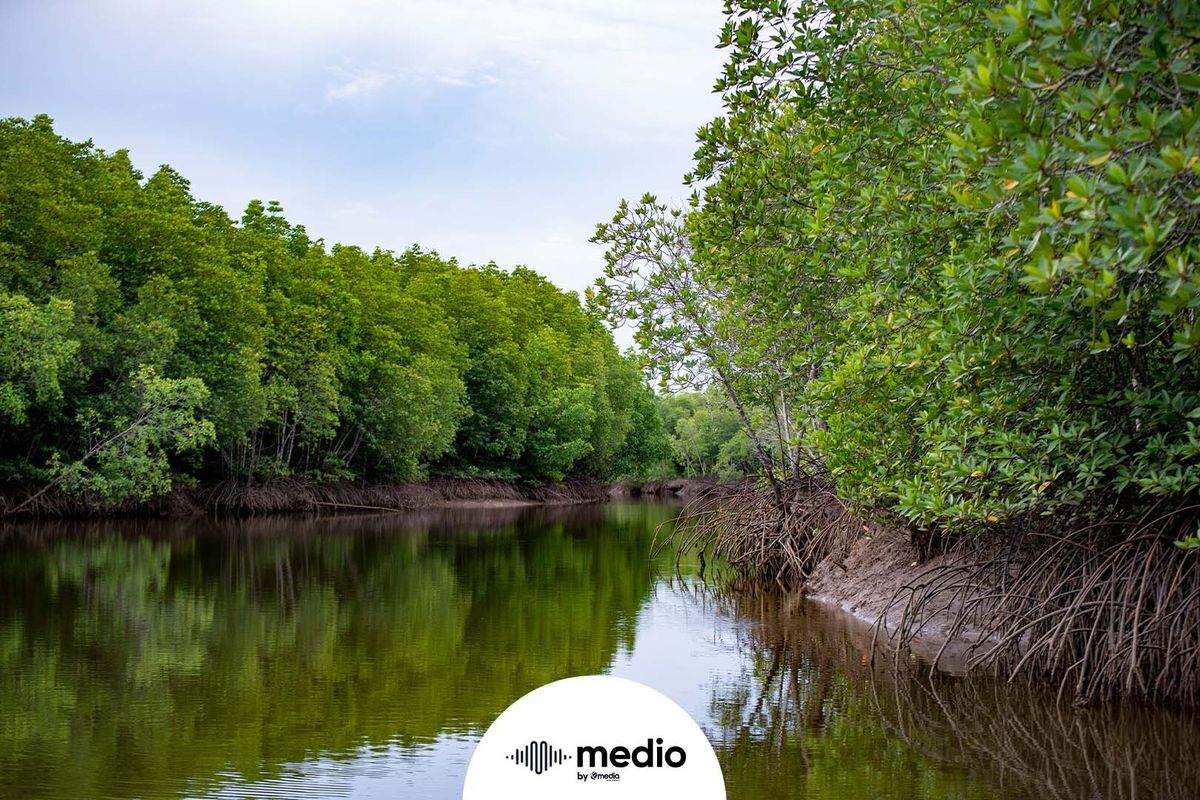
(364, 657)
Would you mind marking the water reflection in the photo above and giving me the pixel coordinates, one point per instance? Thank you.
(166, 660)
(363, 657)
(836, 726)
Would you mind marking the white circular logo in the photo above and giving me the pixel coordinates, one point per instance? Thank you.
(595, 737)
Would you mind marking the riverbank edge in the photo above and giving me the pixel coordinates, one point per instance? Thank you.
(865, 583)
(302, 496)
(1100, 611)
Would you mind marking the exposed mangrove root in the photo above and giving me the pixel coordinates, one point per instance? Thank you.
(762, 538)
(1099, 609)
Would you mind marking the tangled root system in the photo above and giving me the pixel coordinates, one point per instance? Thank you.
(1099, 609)
(763, 537)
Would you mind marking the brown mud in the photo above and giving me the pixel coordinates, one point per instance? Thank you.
(299, 496)
(865, 584)
(1099, 606)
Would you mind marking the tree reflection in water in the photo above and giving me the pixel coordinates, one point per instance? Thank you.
(835, 725)
(140, 659)
(293, 657)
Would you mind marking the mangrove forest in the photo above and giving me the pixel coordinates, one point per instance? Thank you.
(871, 440)
(941, 258)
(150, 339)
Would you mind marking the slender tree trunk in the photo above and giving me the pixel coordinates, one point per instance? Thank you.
(767, 462)
(96, 448)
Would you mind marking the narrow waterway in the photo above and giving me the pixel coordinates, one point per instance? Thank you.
(363, 657)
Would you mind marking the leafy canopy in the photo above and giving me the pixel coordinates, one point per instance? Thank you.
(146, 336)
(955, 241)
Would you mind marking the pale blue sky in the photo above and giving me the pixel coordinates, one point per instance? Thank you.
(485, 129)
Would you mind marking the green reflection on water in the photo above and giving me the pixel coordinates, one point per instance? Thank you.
(160, 660)
(163, 661)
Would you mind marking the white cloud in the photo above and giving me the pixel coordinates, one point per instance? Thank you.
(356, 85)
(611, 70)
(483, 74)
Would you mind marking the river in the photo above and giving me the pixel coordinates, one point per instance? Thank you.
(362, 657)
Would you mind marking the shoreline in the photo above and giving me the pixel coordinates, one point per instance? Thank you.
(860, 585)
(283, 496)
(866, 579)
(866, 585)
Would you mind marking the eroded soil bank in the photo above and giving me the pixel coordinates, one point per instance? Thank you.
(295, 496)
(870, 582)
(1099, 607)
(300, 496)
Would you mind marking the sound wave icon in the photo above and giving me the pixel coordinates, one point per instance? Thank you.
(538, 756)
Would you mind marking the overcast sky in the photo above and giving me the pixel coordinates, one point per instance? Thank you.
(485, 129)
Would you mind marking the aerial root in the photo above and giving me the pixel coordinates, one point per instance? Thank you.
(771, 540)
(1102, 610)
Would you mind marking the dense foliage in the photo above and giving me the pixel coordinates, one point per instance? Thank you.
(146, 336)
(952, 245)
(706, 436)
